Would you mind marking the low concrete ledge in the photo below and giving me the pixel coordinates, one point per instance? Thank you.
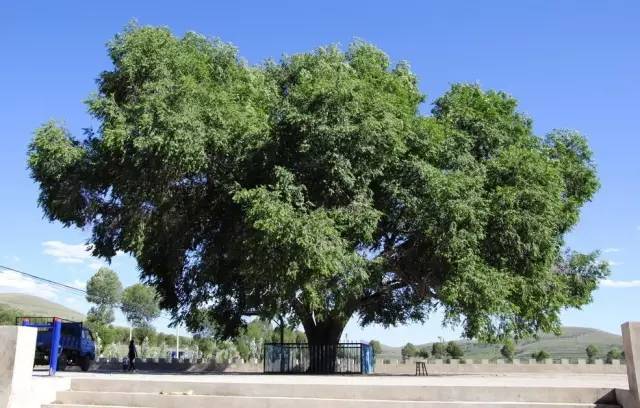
(177, 366)
(18, 345)
(434, 366)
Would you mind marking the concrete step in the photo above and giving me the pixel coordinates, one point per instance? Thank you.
(353, 391)
(92, 399)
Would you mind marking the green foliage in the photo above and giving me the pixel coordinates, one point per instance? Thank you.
(313, 188)
(540, 356)
(140, 305)
(104, 288)
(8, 315)
(614, 354)
(145, 332)
(439, 350)
(592, 352)
(423, 352)
(508, 350)
(207, 347)
(454, 350)
(105, 291)
(290, 336)
(408, 351)
(376, 346)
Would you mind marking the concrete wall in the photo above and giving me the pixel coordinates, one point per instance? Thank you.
(631, 340)
(17, 349)
(164, 365)
(391, 368)
(500, 366)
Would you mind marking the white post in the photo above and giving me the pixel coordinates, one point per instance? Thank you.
(16, 366)
(130, 332)
(631, 341)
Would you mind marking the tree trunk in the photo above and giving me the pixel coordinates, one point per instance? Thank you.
(323, 338)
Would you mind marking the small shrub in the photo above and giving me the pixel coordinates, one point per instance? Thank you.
(614, 354)
(592, 353)
(541, 356)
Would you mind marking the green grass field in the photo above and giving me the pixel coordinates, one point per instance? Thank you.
(35, 306)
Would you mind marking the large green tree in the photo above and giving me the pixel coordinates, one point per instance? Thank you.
(313, 188)
(140, 305)
(104, 290)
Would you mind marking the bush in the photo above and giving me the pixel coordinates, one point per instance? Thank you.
(454, 350)
(508, 350)
(592, 353)
(614, 354)
(8, 315)
(438, 350)
(408, 351)
(540, 356)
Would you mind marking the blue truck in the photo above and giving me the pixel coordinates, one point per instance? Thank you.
(77, 345)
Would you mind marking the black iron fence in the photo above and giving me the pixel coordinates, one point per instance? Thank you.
(302, 358)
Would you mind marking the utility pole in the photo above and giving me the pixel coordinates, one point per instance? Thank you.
(282, 365)
(177, 341)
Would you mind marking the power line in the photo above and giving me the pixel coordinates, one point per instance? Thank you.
(62, 285)
(49, 281)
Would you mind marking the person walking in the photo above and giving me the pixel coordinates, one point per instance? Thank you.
(133, 354)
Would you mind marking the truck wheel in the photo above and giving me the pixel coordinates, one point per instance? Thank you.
(85, 364)
(62, 362)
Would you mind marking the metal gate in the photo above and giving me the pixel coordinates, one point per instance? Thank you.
(302, 358)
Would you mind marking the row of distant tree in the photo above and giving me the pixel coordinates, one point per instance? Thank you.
(592, 352)
(438, 350)
(442, 350)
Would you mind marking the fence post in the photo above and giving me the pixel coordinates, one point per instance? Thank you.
(55, 346)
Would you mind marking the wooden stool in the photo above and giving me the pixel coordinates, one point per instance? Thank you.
(421, 368)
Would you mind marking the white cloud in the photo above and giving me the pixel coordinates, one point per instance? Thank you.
(71, 301)
(611, 250)
(613, 263)
(16, 283)
(77, 283)
(75, 254)
(610, 283)
(67, 253)
(96, 265)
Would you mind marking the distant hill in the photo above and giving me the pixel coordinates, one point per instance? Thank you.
(570, 344)
(35, 306)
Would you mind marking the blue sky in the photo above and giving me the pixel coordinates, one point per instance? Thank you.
(571, 64)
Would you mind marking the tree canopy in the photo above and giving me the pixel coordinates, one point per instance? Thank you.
(314, 188)
(105, 291)
(409, 350)
(140, 305)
